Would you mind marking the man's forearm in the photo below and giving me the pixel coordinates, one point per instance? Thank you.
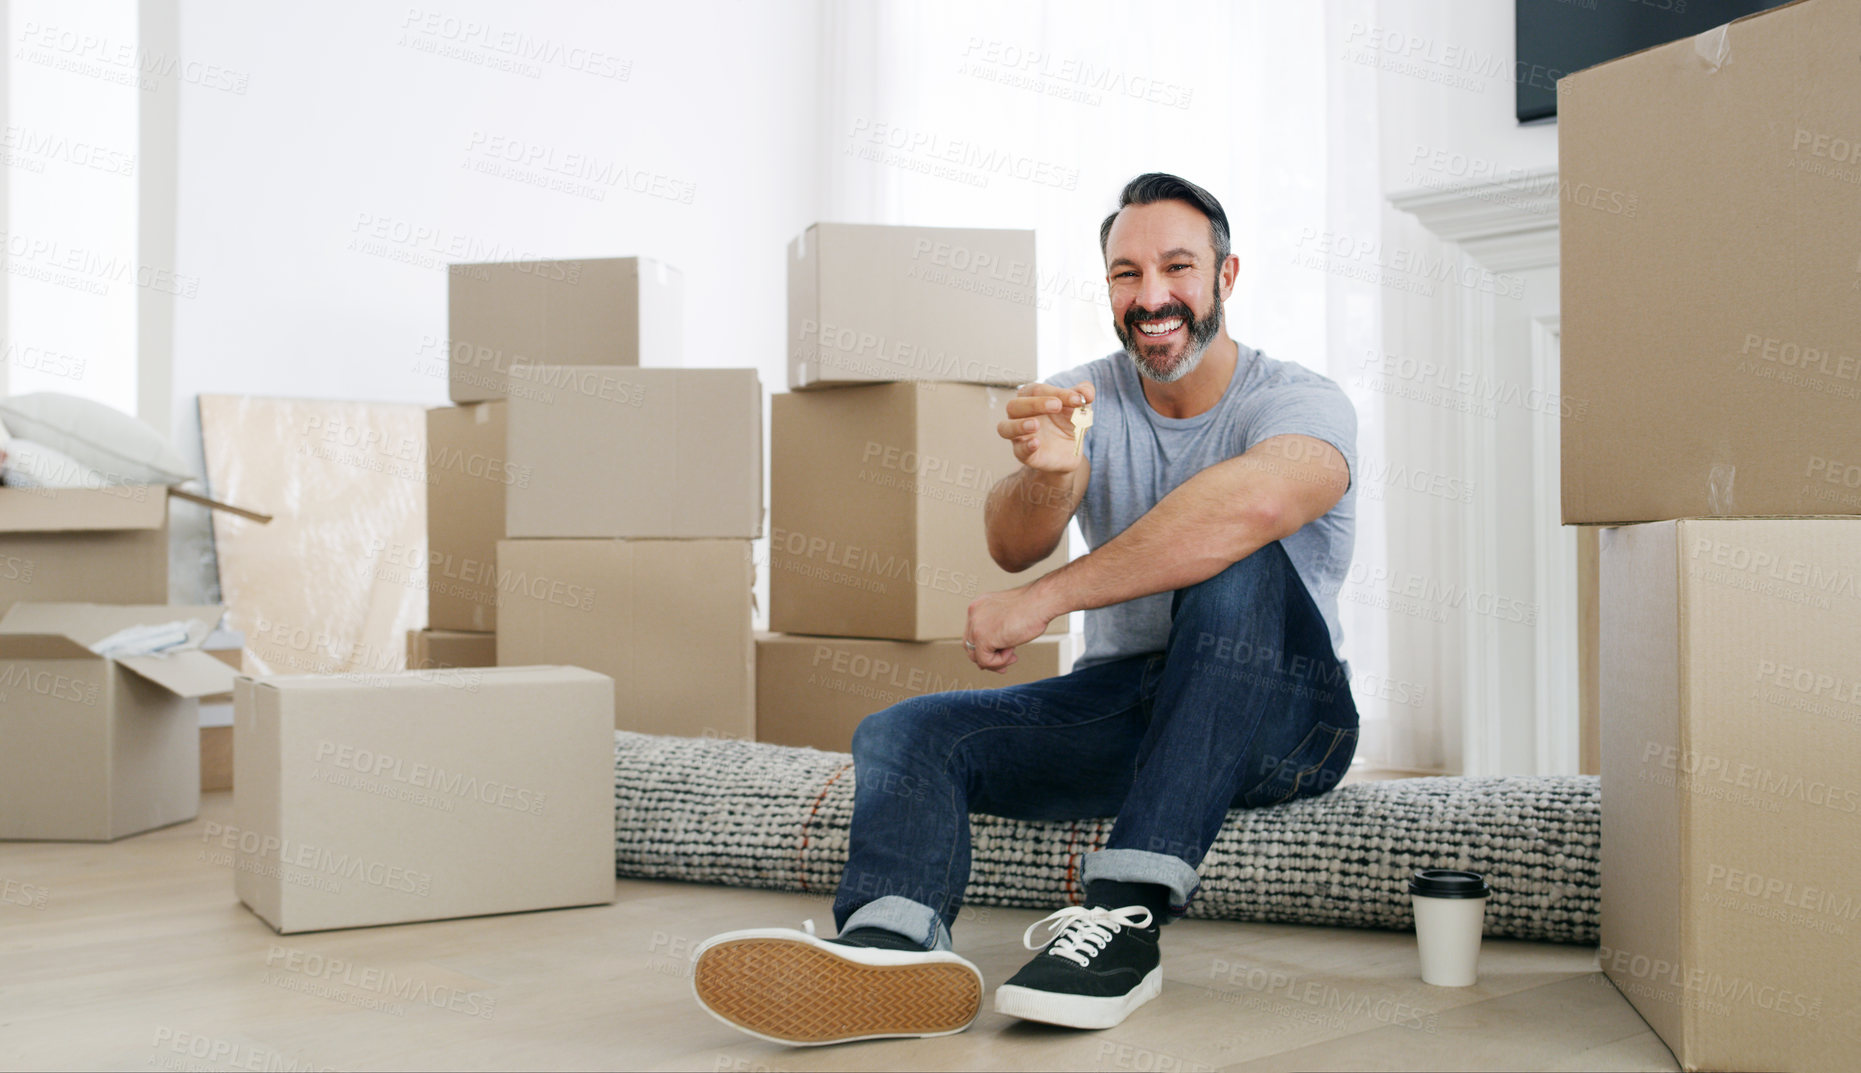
(1197, 531)
(1027, 513)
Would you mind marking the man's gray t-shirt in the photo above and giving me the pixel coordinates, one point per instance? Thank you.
(1138, 456)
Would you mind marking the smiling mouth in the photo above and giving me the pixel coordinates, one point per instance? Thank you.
(1158, 328)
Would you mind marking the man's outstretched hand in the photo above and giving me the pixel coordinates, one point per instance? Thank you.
(1040, 425)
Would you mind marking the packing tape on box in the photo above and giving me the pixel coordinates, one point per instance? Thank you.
(1719, 488)
(1714, 46)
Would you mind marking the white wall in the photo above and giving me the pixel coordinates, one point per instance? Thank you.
(70, 154)
(1446, 119)
(326, 181)
(1446, 93)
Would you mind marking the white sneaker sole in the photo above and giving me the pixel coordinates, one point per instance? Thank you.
(1076, 1011)
(790, 987)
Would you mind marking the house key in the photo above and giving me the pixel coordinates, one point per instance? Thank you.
(1082, 420)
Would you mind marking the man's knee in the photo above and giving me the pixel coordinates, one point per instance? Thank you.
(1245, 582)
(896, 734)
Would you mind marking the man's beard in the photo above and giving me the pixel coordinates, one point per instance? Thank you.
(1201, 332)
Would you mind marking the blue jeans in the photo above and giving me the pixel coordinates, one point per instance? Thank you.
(1247, 706)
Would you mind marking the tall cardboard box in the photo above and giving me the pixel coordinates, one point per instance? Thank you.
(421, 795)
(876, 524)
(1731, 717)
(602, 311)
(107, 545)
(430, 649)
(1711, 273)
(636, 453)
(870, 302)
(814, 691)
(94, 748)
(468, 470)
(668, 620)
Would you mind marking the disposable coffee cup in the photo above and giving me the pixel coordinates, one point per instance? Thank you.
(1450, 914)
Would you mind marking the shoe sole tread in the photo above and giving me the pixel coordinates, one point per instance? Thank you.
(793, 991)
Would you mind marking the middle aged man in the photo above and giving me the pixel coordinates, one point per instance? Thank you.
(1214, 490)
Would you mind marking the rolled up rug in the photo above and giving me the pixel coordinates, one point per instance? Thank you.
(749, 814)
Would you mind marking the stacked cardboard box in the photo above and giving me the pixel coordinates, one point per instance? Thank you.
(619, 538)
(106, 545)
(86, 544)
(903, 342)
(467, 474)
(1711, 312)
(440, 649)
(607, 311)
(501, 318)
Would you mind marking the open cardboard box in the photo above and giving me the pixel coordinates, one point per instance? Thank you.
(97, 748)
(107, 545)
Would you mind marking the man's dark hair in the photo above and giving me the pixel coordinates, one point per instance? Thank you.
(1154, 186)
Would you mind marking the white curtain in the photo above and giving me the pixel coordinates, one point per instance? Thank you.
(966, 113)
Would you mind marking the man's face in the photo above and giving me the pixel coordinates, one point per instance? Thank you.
(1165, 287)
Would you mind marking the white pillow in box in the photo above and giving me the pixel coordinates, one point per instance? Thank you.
(34, 465)
(119, 448)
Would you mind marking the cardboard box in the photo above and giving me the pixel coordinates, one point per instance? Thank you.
(814, 691)
(605, 311)
(869, 302)
(468, 471)
(877, 503)
(668, 620)
(1589, 653)
(98, 748)
(216, 713)
(1731, 719)
(102, 545)
(422, 795)
(636, 453)
(430, 649)
(1711, 279)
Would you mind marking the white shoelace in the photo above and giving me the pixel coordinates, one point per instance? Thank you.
(1079, 934)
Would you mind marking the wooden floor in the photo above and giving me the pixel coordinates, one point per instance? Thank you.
(135, 955)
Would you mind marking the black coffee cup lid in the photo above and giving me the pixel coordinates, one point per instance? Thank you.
(1448, 883)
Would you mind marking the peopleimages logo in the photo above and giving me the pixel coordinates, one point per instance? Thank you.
(1768, 566)
(1713, 989)
(428, 777)
(35, 679)
(871, 563)
(384, 982)
(302, 855)
(841, 347)
(1703, 767)
(1784, 892)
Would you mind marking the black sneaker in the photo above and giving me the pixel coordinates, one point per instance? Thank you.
(791, 987)
(1099, 965)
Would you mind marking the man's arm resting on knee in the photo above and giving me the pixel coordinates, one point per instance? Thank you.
(1212, 520)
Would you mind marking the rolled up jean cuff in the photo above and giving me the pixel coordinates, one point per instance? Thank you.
(902, 916)
(1142, 866)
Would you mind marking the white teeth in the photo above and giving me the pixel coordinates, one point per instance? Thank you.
(1161, 327)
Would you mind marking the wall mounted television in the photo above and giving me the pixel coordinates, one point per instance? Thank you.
(1555, 37)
